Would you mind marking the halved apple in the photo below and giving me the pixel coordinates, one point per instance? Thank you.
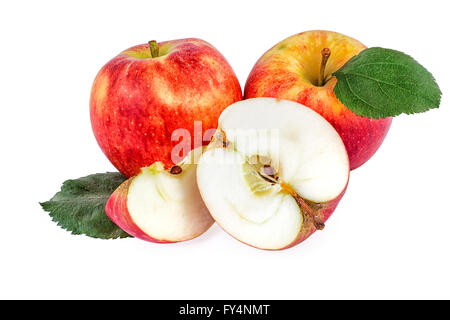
(161, 205)
(274, 172)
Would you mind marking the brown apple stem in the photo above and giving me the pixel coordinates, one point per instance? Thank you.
(318, 223)
(220, 135)
(326, 52)
(154, 48)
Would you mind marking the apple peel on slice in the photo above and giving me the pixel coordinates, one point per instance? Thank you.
(159, 205)
(274, 172)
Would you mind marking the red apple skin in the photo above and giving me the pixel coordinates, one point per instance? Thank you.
(117, 211)
(287, 71)
(137, 101)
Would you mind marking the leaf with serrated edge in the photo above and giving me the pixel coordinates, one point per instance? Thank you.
(380, 83)
(80, 206)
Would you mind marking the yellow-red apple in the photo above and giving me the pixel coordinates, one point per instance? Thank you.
(140, 97)
(292, 70)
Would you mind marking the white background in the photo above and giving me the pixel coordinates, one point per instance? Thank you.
(389, 238)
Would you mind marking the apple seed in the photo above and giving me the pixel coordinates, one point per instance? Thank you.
(175, 170)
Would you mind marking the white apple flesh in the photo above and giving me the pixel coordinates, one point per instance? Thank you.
(274, 172)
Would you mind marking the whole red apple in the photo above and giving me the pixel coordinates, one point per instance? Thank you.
(299, 68)
(140, 97)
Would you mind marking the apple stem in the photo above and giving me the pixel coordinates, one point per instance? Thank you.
(318, 223)
(154, 48)
(223, 138)
(326, 52)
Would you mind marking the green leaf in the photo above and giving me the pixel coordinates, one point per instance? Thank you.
(380, 83)
(80, 206)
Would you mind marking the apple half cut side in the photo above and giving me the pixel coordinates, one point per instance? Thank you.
(160, 205)
(274, 172)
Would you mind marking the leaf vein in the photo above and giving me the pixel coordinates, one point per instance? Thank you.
(357, 96)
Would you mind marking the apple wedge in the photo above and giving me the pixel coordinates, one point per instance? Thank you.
(274, 172)
(161, 205)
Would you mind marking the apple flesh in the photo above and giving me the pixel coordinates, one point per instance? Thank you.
(272, 193)
(160, 205)
(291, 70)
(138, 100)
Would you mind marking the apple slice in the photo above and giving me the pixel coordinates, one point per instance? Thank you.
(274, 172)
(161, 205)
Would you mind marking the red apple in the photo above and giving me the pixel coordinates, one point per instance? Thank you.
(140, 97)
(291, 70)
